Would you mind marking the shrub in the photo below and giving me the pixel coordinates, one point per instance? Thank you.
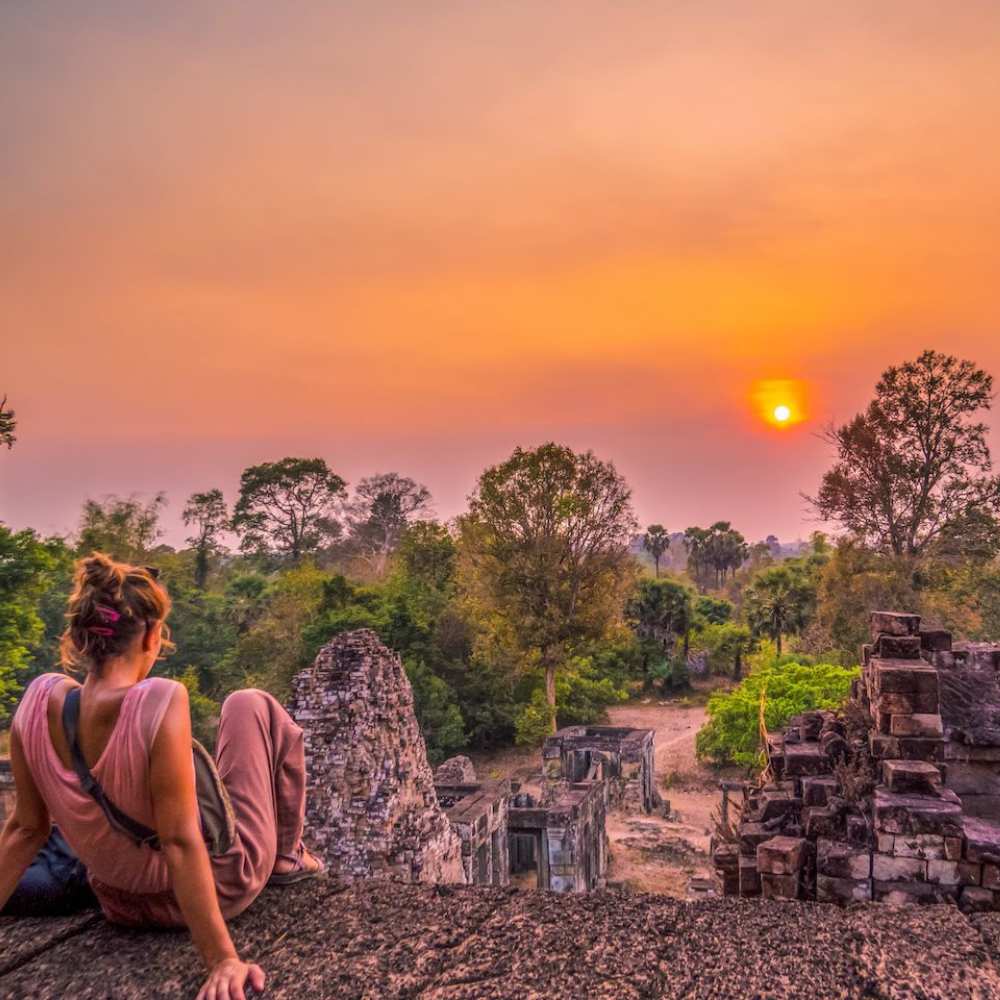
(732, 733)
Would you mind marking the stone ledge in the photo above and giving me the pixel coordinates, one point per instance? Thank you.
(383, 941)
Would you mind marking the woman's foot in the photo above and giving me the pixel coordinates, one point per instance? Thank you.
(291, 868)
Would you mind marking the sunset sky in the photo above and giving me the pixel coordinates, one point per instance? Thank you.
(409, 236)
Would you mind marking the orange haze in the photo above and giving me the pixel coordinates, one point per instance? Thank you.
(410, 236)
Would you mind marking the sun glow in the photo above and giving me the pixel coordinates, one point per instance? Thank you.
(780, 402)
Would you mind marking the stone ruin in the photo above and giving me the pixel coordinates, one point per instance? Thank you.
(375, 810)
(561, 838)
(621, 758)
(897, 799)
(478, 813)
(371, 808)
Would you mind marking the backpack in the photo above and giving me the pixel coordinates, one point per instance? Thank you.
(218, 822)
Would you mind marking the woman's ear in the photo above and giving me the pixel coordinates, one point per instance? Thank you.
(152, 637)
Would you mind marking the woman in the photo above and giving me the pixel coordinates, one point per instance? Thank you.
(135, 735)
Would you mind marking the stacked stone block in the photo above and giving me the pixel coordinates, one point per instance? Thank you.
(911, 840)
(371, 808)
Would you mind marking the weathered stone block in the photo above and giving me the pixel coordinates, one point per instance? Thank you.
(779, 886)
(935, 640)
(893, 623)
(804, 759)
(974, 899)
(922, 724)
(843, 890)
(943, 872)
(991, 876)
(892, 869)
(905, 677)
(820, 821)
(749, 877)
(909, 893)
(917, 813)
(915, 777)
(970, 873)
(816, 791)
(857, 831)
(982, 840)
(921, 748)
(898, 647)
(840, 860)
(752, 834)
(775, 803)
(919, 845)
(781, 855)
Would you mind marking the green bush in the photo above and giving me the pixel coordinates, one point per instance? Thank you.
(731, 736)
(533, 721)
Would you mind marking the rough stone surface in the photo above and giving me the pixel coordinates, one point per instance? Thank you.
(377, 941)
(371, 811)
(456, 771)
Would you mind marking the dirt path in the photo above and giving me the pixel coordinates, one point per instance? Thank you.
(648, 853)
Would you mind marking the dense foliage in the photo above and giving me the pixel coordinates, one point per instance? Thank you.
(787, 686)
(543, 605)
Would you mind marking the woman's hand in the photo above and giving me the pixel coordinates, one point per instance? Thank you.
(227, 979)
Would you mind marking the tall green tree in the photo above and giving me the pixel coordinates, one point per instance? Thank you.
(916, 460)
(289, 507)
(779, 601)
(382, 508)
(660, 612)
(126, 528)
(656, 541)
(8, 425)
(26, 565)
(207, 512)
(547, 534)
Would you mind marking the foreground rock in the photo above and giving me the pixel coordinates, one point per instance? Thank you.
(371, 809)
(381, 941)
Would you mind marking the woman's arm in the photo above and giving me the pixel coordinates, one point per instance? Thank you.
(27, 829)
(175, 810)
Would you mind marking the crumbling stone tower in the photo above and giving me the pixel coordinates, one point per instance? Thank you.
(371, 810)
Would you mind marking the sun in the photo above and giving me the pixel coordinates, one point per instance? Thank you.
(780, 402)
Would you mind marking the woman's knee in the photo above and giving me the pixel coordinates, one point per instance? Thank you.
(249, 701)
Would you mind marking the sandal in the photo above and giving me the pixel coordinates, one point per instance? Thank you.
(298, 872)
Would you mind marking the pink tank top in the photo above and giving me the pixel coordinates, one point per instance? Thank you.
(113, 861)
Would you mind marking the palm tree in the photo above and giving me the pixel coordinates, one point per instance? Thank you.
(778, 601)
(656, 541)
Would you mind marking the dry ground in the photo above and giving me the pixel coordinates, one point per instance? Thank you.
(649, 853)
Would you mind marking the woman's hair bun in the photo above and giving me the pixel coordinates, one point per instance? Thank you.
(102, 574)
(111, 604)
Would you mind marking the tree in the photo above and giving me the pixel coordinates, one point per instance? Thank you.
(660, 612)
(656, 541)
(288, 506)
(547, 536)
(207, 511)
(718, 549)
(8, 425)
(779, 600)
(26, 565)
(916, 460)
(123, 527)
(383, 507)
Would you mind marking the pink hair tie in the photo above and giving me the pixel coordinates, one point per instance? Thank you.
(100, 630)
(108, 614)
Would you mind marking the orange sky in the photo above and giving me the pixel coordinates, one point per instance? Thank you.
(410, 236)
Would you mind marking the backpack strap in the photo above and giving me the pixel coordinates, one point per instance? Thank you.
(137, 832)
